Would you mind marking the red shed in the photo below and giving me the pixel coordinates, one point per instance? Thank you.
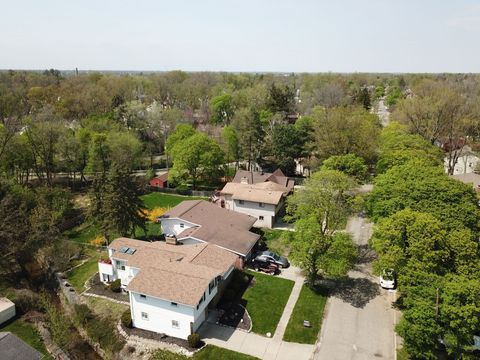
(159, 181)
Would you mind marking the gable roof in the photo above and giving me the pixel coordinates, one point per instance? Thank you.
(263, 192)
(255, 177)
(177, 273)
(225, 228)
(13, 348)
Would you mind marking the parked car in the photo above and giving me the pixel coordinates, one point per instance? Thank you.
(388, 279)
(265, 266)
(272, 258)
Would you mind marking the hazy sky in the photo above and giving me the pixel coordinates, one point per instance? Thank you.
(242, 35)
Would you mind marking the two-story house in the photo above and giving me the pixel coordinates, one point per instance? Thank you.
(170, 285)
(258, 194)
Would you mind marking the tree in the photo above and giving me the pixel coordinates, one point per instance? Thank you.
(327, 195)
(222, 109)
(287, 145)
(349, 164)
(99, 157)
(413, 240)
(182, 131)
(232, 144)
(319, 209)
(424, 188)
(196, 156)
(346, 130)
(281, 99)
(364, 98)
(248, 126)
(115, 204)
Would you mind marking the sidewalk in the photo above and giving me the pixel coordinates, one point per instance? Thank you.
(257, 345)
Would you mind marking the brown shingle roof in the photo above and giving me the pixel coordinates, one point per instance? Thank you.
(258, 193)
(225, 228)
(178, 273)
(255, 177)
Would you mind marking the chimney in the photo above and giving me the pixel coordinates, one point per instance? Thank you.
(171, 239)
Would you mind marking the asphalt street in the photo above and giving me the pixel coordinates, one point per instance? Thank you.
(359, 319)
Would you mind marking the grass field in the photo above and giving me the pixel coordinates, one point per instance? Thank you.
(209, 352)
(28, 333)
(79, 275)
(105, 308)
(265, 301)
(275, 241)
(310, 306)
(156, 199)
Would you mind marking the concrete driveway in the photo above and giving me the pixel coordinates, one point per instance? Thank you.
(359, 320)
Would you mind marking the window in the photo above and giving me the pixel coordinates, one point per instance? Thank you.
(143, 296)
(240, 202)
(173, 304)
(202, 299)
(175, 324)
(211, 286)
(120, 265)
(260, 218)
(182, 225)
(144, 316)
(261, 204)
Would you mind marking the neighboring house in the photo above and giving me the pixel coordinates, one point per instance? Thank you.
(200, 221)
(258, 194)
(255, 177)
(14, 348)
(170, 285)
(160, 181)
(7, 310)
(469, 179)
(466, 161)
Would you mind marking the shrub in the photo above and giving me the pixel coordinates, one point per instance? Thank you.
(98, 241)
(83, 314)
(116, 286)
(127, 319)
(229, 294)
(194, 340)
(26, 301)
(153, 214)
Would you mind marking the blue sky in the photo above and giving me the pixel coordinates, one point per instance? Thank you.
(245, 35)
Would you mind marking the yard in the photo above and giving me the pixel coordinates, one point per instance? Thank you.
(156, 199)
(264, 297)
(207, 353)
(78, 276)
(28, 333)
(310, 306)
(275, 240)
(106, 308)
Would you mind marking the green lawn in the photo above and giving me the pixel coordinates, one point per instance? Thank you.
(310, 306)
(28, 333)
(156, 199)
(402, 354)
(106, 308)
(275, 241)
(79, 275)
(265, 301)
(209, 352)
(83, 233)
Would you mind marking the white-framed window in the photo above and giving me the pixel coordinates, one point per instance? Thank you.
(260, 217)
(182, 225)
(240, 202)
(173, 303)
(144, 316)
(261, 204)
(175, 324)
(143, 296)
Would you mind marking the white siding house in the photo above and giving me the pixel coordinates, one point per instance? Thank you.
(170, 286)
